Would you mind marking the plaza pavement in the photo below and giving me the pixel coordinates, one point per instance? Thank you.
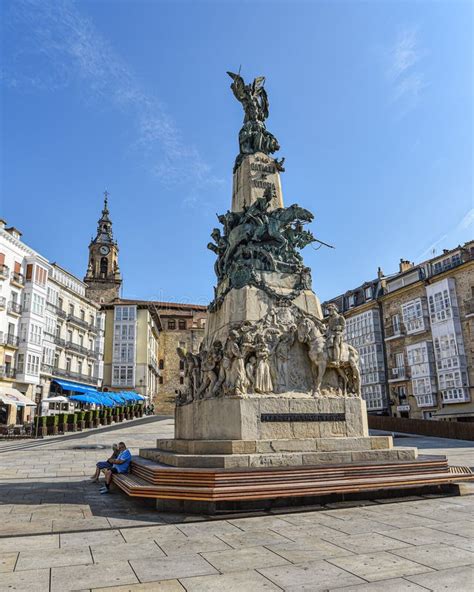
(57, 533)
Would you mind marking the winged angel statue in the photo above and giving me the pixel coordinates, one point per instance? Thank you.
(253, 137)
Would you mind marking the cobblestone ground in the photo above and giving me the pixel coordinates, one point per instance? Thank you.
(57, 533)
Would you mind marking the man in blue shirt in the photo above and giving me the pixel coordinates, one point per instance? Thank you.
(121, 464)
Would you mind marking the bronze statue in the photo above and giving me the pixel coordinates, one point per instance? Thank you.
(253, 137)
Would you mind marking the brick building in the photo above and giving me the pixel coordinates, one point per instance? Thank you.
(426, 344)
(182, 325)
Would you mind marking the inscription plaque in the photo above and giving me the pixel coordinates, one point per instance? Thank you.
(287, 417)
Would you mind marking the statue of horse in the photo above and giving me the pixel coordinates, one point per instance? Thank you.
(311, 333)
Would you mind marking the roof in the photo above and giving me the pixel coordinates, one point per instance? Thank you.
(456, 410)
(179, 306)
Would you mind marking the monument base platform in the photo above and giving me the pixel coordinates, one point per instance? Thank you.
(201, 490)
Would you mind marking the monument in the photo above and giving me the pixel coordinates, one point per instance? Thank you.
(271, 406)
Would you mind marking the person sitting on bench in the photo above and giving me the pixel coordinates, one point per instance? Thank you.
(121, 465)
(105, 464)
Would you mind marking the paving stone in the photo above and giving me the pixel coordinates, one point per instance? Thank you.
(134, 521)
(192, 545)
(34, 580)
(312, 576)
(163, 586)
(79, 539)
(396, 585)
(308, 549)
(253, 538)
(217, 527)
(242, 559)
(126, 551)
(259, 523)
(464, 528)
(64, 579)
(437, 556)
(152, 533)
(460, 579)
(59, 557)
(81, 524)
(7, 561)
(369, 544)
(378, 566)
(234, 582)
(171, 568)
(424, 536)
(49, 541)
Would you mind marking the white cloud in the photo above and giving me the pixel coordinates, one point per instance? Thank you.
(57, 46)
(403, 72)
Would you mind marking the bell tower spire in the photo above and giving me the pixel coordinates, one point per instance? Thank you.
(103, 277)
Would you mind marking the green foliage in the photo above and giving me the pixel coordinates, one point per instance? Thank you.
(71, 418)
(40, 421)
(52, 420)
(62, 418)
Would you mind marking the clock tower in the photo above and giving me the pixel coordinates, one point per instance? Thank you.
(103, 277)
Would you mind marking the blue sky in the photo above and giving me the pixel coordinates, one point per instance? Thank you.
(371, 102)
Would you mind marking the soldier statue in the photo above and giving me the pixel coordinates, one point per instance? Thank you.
(336, 324)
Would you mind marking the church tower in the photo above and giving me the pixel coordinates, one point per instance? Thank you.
(103, 277)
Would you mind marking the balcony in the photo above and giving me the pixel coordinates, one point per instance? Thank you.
(14, 308)
(47, 369)
(59, 341)
(62, 373)
(426, 400)
(392, 332)
(7, 372)
(9, 340)
(17, 278)
(77, 321)
(456, 395)
(93, 328)
(3, 302)
(60, 312)
(76, 347)
(4, 271)
(396, 374)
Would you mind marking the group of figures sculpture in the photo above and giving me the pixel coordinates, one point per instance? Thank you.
(288, 350)
(261, 239)
(271, 356)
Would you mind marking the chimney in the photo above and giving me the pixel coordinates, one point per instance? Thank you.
(405, 265)
(3, 223)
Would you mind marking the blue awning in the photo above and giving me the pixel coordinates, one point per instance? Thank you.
(77, 387)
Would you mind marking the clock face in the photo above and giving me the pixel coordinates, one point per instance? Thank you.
(104, 250)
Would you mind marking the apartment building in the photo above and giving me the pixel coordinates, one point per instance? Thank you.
(49, 330)
(425, 345)
(131, 347)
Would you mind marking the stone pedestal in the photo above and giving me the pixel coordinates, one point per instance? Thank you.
(256, 173)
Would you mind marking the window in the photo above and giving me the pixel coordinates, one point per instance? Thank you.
(368, 293)
(40, 275)
(182, 324)
(161, 364)
(124, 352)
(396, 323)
(440, 306)
(32, 364)
(104, 264)
(122, 375)
(160, 379)
(81, 339)
(68, 364)
(71, 309)
(399, 360)
(172, 324)
(412, 313)
(29, 271)
(181, 380)
(421, 386)
(79, 367)
(125, 313)
(35, 334)
(69, 336)
(89, 369)
(20, 363)
(83, 315)
(352, 300)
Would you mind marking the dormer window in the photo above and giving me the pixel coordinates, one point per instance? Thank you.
(368, 292)
(352, 300)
